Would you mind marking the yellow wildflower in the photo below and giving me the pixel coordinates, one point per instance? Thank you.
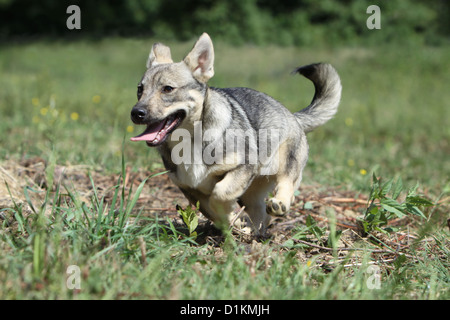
(74, 116)
(96, 99)
(44, 111)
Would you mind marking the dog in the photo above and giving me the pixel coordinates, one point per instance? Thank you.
(208, 165)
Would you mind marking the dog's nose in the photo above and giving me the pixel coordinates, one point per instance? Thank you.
(138, 114)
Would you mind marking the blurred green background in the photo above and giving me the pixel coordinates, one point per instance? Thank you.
(300, 22)
(70, 92)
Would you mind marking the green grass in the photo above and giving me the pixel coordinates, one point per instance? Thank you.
(393, 116)
(70, 103)
(135, 257)
(142, 258)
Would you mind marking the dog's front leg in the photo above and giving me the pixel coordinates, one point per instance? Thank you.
(225, 193)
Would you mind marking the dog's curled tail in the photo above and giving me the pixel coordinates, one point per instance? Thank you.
(326, 98)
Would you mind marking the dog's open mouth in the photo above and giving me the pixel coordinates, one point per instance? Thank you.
(156, 133)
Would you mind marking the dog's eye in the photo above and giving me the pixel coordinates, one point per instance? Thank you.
(167, 89)
(140, 89)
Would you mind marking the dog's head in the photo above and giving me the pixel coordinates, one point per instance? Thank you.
(171, 94)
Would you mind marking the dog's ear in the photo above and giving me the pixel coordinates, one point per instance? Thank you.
(158, 55)
(201, 59)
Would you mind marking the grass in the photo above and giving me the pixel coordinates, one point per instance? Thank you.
(123, 257)
(69, 102)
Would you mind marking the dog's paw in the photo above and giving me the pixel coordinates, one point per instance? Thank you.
(276, 208)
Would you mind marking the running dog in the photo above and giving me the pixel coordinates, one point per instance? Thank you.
(211, 140)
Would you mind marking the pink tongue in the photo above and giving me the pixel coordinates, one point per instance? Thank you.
(150, 133)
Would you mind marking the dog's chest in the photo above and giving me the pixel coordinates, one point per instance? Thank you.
(194, 176)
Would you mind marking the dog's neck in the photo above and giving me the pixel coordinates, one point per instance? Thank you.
(213, 116)
(207, 124)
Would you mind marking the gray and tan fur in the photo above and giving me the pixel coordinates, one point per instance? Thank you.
(175, 98)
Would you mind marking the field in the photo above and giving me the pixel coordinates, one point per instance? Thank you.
(74, 189)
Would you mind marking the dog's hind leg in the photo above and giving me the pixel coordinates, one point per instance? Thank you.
(288, 177)
(254, 201)
(284, 193)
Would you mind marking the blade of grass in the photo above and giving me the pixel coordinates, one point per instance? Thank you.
(110, 219)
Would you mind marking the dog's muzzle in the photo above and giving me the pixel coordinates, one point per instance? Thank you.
(157, 130)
